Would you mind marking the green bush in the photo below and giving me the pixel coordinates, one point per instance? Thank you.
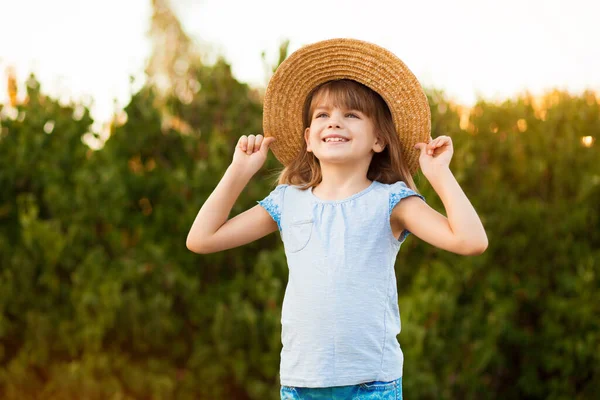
(100, 299)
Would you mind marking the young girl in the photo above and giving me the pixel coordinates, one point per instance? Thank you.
(351, 124)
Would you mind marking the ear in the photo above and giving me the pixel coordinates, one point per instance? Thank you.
(379, 146)
(306, 136)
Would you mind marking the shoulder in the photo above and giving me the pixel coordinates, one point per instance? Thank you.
(398, 191)
(281, 195)
(273, 203)
(393, 187)
(397, 187)
(276, 195)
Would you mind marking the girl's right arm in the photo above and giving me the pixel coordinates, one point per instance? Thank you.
(211, 230)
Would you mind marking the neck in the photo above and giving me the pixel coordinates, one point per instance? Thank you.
(341, 181)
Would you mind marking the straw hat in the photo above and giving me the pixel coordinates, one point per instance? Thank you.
(366, 63)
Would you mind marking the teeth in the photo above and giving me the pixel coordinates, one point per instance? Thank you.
(335, 140)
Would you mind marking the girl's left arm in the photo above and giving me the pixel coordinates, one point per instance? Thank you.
(462, 231)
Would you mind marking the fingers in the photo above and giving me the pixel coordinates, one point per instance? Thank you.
(251, 144)
(243, 143)
(421, 147)
(440, 141)
(430, 147)
(258, 142)
(266, 143)
(251, 141)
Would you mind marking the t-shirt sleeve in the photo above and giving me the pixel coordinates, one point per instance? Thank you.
(399, 191)
(273, 203)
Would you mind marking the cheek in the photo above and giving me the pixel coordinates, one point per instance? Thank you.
(312, 139)
(313, 136)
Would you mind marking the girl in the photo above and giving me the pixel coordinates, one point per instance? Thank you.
(351, 124)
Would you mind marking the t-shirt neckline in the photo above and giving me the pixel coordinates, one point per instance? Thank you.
(352, 197)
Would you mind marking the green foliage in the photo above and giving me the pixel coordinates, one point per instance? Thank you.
(100, 299)
(521, 320)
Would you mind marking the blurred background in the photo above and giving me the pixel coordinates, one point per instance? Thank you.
(117, 120)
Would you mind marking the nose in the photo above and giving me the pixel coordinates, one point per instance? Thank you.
(334, 121)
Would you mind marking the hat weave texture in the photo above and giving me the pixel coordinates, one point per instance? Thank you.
(334, 59)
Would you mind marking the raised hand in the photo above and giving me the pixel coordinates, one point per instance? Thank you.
(251, 152)
(436, 154)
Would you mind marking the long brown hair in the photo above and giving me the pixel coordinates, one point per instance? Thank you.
(386, 167)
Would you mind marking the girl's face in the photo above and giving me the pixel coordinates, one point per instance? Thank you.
(340, 135)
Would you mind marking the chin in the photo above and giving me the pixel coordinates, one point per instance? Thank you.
(334, 159)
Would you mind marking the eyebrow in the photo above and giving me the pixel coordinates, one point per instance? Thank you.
(327, 108)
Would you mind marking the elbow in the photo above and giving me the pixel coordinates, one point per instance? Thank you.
(192, 247)
(476, 248)
(195, 247)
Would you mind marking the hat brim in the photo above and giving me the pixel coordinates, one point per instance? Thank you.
(334, 59)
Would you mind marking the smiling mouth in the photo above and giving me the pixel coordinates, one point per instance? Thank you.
(334, 140)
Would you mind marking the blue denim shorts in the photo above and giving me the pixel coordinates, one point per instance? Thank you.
(364, 391)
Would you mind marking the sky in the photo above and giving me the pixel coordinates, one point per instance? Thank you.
(87, 50)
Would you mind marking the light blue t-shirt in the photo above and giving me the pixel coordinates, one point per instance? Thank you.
(340, 312)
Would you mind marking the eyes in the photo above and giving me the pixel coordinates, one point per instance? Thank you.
(346, 115)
